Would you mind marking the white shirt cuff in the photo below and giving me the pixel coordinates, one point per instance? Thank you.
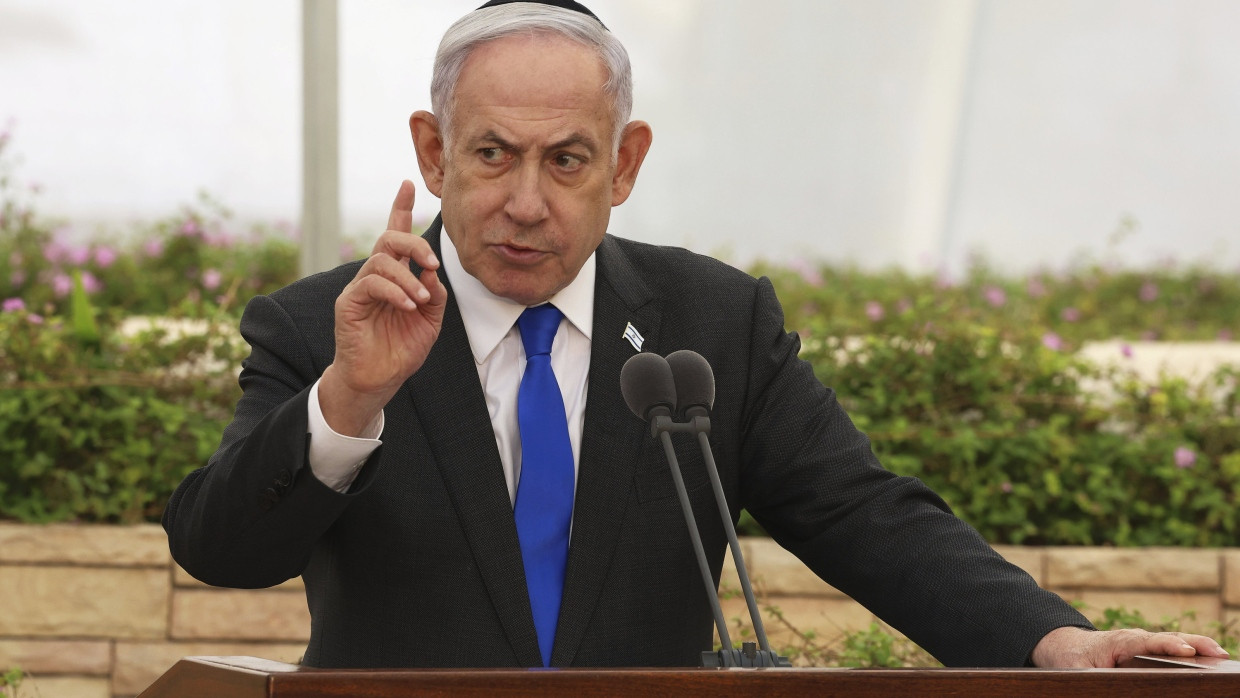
(335, 459)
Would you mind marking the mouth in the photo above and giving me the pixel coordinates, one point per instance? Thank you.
(518, 254)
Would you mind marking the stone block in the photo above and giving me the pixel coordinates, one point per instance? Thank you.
(1133, 568)
(1231, 625)
(827, 618)
(43, 657)
(64, 687)
(138, 664)
(84, 602)
(1029, 559)
(1156, 606)
(143, 545)
(181, 578)
(1231, 577)
(237, 615)
(778, 572)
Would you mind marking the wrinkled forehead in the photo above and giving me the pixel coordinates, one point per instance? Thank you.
(541, 73)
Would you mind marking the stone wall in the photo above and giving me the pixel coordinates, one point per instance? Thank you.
(99, 611)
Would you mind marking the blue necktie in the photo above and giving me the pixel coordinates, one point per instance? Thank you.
(544, 509)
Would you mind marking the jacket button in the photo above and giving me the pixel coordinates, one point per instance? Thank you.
(283, 478)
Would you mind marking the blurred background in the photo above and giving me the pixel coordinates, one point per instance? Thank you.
(890, 132)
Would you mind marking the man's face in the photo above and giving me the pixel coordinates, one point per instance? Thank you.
(527, 185)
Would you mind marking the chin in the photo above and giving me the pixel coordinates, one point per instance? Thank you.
(523, 293)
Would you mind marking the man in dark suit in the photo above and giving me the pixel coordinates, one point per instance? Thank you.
(382, 451)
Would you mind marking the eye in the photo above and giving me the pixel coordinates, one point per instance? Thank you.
(569, 162)
(491, 155)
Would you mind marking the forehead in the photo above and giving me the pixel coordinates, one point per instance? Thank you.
(530, 79)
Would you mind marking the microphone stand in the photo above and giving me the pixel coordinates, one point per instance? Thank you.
(750, 654)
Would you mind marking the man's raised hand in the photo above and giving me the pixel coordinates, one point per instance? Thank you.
(387, 320)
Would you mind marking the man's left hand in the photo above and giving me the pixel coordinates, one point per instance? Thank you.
(1074, 648)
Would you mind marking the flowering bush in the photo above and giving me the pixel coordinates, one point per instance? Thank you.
(1034, 445)
(971, 386)
(1090, 302)
(99, 426)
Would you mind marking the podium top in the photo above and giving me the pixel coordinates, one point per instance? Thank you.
(250, 677)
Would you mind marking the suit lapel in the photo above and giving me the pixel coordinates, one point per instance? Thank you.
(448, 399)
(610, 444)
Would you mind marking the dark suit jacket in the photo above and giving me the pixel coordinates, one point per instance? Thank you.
(419, 564)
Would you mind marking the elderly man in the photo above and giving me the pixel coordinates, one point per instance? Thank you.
(446, 458)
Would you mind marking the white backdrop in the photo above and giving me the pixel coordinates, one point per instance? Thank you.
(876, 131)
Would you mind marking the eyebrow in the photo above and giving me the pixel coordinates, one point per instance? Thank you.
(574, 139)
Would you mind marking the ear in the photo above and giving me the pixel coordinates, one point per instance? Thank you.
(428, 142)
(634, 143)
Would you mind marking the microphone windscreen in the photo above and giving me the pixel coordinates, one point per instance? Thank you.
(646, 382)
(695, 381)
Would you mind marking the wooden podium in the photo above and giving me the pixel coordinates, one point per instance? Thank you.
(248, 677)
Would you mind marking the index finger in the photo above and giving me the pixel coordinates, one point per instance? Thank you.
(401, 217)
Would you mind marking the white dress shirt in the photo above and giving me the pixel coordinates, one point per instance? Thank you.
(495, 341)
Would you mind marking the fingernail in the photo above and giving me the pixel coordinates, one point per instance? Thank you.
(434, 260)
(1188, 647)
(1219, 649)
(424, 295)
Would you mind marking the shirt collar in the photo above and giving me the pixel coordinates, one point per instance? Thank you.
(489, 317)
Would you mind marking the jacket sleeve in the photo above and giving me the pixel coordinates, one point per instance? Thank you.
(812, 480)
(252, 516)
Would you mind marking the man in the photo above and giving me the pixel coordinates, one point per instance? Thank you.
(446, 505)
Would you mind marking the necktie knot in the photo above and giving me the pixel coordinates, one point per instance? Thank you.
(538, 326)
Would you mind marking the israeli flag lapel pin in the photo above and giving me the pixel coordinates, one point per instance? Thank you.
(635, 338)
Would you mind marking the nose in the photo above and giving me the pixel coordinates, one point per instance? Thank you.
(527, 205)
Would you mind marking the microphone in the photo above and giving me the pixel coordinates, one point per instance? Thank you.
(648, 386)
(695, 383)
(654, 387)
(695, 395)
(649, 390)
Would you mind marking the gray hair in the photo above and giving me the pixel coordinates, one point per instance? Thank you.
(489, 24)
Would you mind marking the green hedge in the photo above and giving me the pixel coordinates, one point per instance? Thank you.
(99, 427)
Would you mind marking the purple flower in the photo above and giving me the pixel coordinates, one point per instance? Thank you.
(90, 284)
(190, 228)
(55, 250)
(1149, 336)
(1035, 288)
(1006, 487)
(1224, 335)
(153, 247)
(14, 304)
(1126, 350)
(34, 318)
(874, 311)
(904, 305)
(1052, 341)
(77, 256)
(1149, 292)
(17, 278)
(105, 256)
(1185, 457)
(809, 273)
(995, 296)
(61, 284)
(211, 279)
(1070, 314)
